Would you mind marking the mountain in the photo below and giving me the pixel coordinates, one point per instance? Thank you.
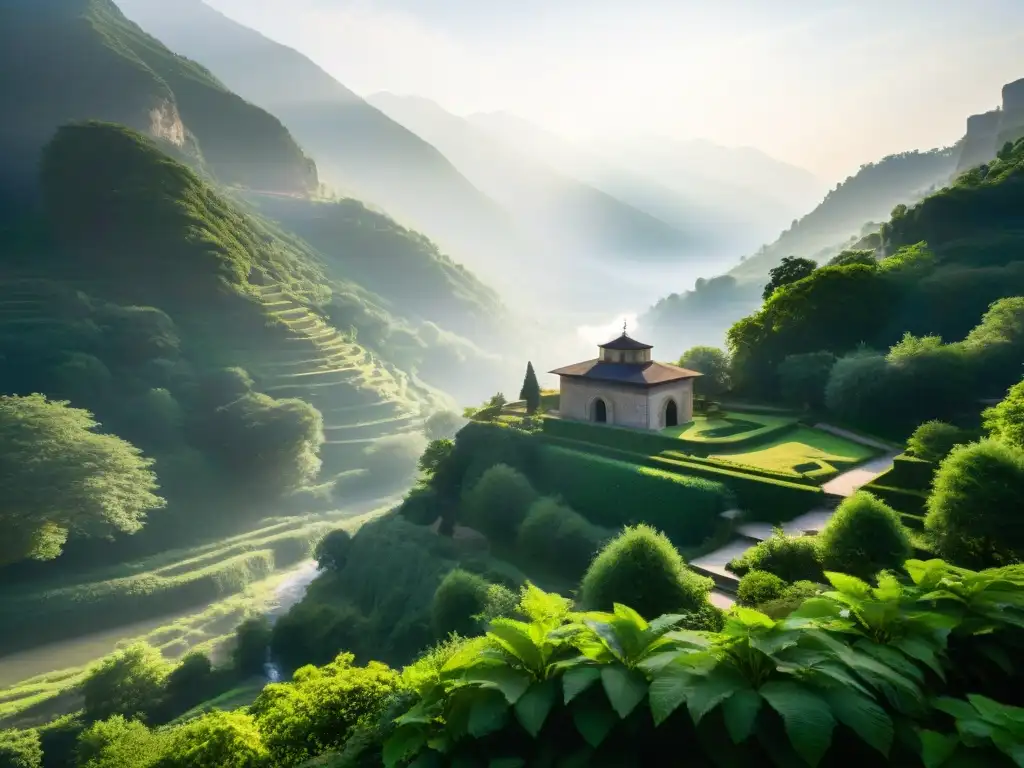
(563, 212)
(847, 212)
(65, 60)
(989, 131)
(360, 151)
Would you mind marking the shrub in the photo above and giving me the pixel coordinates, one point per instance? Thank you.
(421, 506)
(714, 364)
(613, 493)
(20, 749)
(863, 537)
(791, 558)
(498, 503)
(1005, 421)
(188, 683)
(933, 440)
(459, 598)
(118, 743)
(128, 682)
(792, 597)
(223, 739)
(559, 538)
(802, 378)
(321, 708)
(252, 639)
(973, 513)
(501, 602)
(641, 568)
(707, 618)
(224, 386)
(758, 587)
(332, 550)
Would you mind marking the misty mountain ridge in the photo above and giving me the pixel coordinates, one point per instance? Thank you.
(361, 152)
(733, 198)
(559, 210)
(63, 61)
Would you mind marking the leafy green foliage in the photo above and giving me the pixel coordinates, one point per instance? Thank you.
(49, 450)
(642, 566)
(790, 270)
(189, 683)
(713, 363)
(20, 749)
(555, 535)
(933, 440)
(791, 558)
(228, 739)
(332, 550)
(850, 676)
(118, 743)
(972, 509)
(224, 386)
(498, 503)
(321, 707)
(459, 598)
(803, 378)
(1005, 421)
(530, 391)
(252, 639)
(129, 682)
(863, 537)
(758, 587)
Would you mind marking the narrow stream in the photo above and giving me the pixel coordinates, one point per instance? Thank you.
(288, 593)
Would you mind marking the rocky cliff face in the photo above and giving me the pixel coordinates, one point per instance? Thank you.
(987, 132)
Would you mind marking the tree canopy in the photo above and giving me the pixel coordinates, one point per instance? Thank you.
(62, 478)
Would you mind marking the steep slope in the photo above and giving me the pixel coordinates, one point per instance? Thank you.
(63, 60)
(561, 211)
(989, 131)
(360, 151)
(867, 196)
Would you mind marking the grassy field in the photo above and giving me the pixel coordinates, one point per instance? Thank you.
(803, 451)
(39, 683)
(729, 428)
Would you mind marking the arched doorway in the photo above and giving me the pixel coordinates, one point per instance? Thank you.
(671, 414)
(600, 411)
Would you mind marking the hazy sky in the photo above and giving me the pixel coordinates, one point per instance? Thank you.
(826, 84)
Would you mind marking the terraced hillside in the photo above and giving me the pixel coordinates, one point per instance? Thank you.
(361, 397)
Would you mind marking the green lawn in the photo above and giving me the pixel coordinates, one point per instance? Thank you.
(803, 451)
(728, 427)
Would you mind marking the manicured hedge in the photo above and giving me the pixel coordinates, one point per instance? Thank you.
(614, 493)
(900, 499)
(910, 473)
(632, 440)
(735, 466)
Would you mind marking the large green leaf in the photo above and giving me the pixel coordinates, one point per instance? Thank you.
(402, 744)
(708, 691)
(625, 688)
(427, 760)
(862, 716)
(512, 683)
(849, 585)
(1010, 745)
(936, 748)
(609, 638)
(668, 691)
(807, 718)
(594, 719)
(920, 649)
(487, 713)
(625, 612)
(740, 713)
(514, 637)
(533, 707)
(814, 608)
(750, 618)
(577, 680)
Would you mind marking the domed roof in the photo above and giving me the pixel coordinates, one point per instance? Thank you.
(625, 343)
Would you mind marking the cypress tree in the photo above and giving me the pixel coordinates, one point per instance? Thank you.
(531, 390)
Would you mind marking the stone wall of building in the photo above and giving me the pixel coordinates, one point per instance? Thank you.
(626, 406)
(681, 392)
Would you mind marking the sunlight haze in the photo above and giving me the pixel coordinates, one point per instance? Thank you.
(776, 76)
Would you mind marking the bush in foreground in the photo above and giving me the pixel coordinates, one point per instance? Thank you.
(332, 550)
(20, 749)
(252, 639)
(974, 511)
(497, 504)
(559, 538)
(118, 743)
(128, 683)
(863, 537)
(933, 440)
(758, 587)
(223, 739)
(459, 598)
(791, 558)
(640, 567)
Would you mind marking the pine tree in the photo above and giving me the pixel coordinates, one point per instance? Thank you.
(531, 390)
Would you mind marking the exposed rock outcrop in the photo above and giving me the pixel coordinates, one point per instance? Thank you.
(989, 131)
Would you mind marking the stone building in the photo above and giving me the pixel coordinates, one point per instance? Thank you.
(624, 387)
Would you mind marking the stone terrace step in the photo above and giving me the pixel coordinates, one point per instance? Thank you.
(713, 564)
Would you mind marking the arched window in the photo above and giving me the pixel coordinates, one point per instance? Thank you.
(671, 414)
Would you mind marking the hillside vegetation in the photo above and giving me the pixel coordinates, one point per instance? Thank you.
(82, 59)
